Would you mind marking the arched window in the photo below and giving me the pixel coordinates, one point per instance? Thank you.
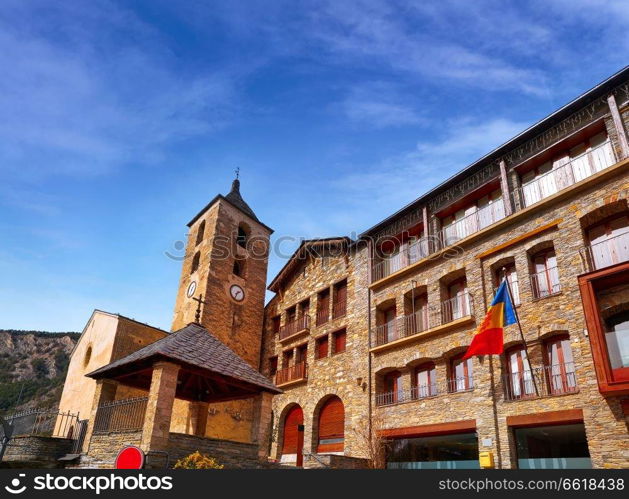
(520, 382)
(609, 241)
(200, 232)
(243, 235)
(239, 267)
(461, 374)
(545, 276)
(195, 262)
(331, 426)
(424, 381)
(560, 373)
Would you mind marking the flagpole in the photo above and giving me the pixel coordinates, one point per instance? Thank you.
(517, 319)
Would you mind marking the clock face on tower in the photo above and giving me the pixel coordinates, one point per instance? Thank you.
(192, 287)
(236, 292)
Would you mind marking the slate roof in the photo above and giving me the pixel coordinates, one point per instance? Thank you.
(195, 346)
(235, 199)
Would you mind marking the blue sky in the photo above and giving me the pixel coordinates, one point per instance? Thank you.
(120, 120)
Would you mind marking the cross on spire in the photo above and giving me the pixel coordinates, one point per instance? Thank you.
(237, 170)
(197, 314)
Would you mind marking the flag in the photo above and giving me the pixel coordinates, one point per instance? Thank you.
(489, 339)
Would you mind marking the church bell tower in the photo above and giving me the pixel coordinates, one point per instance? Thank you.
(223, 276)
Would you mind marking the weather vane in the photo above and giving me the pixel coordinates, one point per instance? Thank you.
(237, 170)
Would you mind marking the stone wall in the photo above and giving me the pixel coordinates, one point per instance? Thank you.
(336, 374)
(43, 451)
(228, 453)
(104, 447)
(332, 461)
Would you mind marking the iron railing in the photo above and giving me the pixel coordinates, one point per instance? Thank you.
(545, 283)
(454, 385)
(296, 326)
(401, 327)
(558, 379)
(292, 373)
(121, 415)
(469, 224)
(44, 423)
(339, 309)
(408, 254)
(578, 168)
(606, 253)
(457, 307)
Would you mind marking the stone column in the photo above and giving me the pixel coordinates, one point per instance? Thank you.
(159, 408)
(105, 392)
(261, 425)
(199, 413)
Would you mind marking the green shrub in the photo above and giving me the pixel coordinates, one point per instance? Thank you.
(198, 461)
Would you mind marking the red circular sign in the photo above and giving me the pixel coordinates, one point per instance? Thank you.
(130, 458)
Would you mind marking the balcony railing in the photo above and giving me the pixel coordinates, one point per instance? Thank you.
(294, 327)
(544, 381)
(606, 253)
(399, 328)
(323, 316)
(456, 308)
(339, 309)
(408, 254)
(545, 283)
(575, 170)
(121, 415)
(424, 391)
(292, 373)
(468, 225)
(42, 422)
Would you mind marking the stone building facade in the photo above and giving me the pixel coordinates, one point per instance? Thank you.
(547, 209)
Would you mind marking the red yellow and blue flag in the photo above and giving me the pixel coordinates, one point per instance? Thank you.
(489, 339)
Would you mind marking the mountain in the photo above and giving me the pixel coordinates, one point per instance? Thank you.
(33, 366)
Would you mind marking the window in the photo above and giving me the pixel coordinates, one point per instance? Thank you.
(545, 278)
(304, 307)
(424, 381)
(617, 341)
(195, 262)
(291, 314)
(417, 320)
(302, 353)
(482, 213)
(243, 234)
(287, 357)
(520, 382)
(323, 307)
(560, 373)
(339, 308)
(273, 365)
(609, 242)
(442, 451)
(239, 267)
(275, 323)
(552, 447)
(392, 389)
(321, 347)
(385, 329)
(512, 278)
(331, 426)
(340, 338)
(567, 168)
(461, 378)
(457, 305)
(200, 232)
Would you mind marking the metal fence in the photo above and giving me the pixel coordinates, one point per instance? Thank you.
(418, 392)
(121, 415)
(43, 423)
(558, 379)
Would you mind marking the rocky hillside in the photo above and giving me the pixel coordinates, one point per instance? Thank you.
(33, 363)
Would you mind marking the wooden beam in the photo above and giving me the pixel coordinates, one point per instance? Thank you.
(520, 239)
(504, 187)
(430, 429)
(618, 125)
(567, 416)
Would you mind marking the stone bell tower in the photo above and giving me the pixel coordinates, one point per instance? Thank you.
(226, 263)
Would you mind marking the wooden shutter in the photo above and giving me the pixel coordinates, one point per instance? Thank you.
(339, 341)
(322, 347)
(294, 418)
(331, 426)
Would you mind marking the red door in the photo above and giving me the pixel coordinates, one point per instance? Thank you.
(294, 434)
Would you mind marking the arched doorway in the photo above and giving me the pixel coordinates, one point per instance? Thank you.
(293, 442)
(331, 425)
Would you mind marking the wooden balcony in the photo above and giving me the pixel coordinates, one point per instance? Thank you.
(339, 310)
(292, 374)
(295, 328)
